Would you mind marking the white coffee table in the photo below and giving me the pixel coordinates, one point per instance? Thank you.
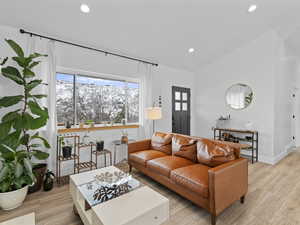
(140, 206)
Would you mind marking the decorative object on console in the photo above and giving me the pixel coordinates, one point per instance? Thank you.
(249, 125)
(222, 121)
(239, 96)
(19, 136)
(154, 113)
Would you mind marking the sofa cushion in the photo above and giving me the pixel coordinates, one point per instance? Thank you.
(188, 152)
(142, 157)
(165, 165)
(161, 142)
(194, 177)
(179, 141)
(213, 154)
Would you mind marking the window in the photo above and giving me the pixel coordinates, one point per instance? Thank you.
(81, 98)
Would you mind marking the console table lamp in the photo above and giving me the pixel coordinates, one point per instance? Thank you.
(154, 113)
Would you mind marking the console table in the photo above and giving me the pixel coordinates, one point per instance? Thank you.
(247, 138)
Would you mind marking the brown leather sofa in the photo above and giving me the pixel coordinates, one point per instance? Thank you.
(213, 188)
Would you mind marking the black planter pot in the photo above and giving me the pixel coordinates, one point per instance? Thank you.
(39, 171)
(49, 181)
(100, 146)
(67, 151)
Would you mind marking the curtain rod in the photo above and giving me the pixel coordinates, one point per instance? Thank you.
(90, 48)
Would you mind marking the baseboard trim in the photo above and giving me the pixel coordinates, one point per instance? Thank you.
(274, 160)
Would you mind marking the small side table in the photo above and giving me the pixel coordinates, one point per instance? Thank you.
(104, 152)
(119, 143)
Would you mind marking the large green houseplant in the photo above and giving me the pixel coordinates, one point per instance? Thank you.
(20, 141)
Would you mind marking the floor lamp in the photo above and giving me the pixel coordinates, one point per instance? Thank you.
(154, 113)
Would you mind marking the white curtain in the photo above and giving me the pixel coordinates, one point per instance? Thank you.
(46, 71)
(145, 70)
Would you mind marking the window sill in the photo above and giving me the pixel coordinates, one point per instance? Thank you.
(77, 129)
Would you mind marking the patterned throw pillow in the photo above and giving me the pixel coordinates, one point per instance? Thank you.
(213, 154)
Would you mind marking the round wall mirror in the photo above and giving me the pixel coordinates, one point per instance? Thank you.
(239, 96)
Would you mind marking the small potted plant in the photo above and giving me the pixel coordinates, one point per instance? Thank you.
(66, 148)
(90, 123)
(16, 176)
(99, 145)
(48, 181)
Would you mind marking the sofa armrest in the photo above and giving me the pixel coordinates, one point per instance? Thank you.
(139, 146)
(227, 183)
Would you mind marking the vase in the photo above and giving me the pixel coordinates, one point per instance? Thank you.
(13, 199)
(67, 151)
(39, 172)
(124, 139)
(48, 183)
(100, 145)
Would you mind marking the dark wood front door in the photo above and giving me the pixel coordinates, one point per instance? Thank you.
(181, 110)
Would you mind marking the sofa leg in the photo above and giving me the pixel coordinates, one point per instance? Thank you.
(75, 211)
(130, 168)
(242, 199)
(213, 219)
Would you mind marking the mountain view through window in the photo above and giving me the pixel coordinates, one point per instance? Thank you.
(81, 98)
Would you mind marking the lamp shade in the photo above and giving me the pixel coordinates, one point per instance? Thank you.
(153, 113)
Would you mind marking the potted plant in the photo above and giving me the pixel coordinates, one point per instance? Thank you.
(18, 128)
(90, 123)
(66, 148)
(99, 145)
(49, 181)
(16, 174)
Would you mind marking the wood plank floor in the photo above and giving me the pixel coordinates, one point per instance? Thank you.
(273, 199)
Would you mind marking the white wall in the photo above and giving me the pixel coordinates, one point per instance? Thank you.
(164, 77)
(254, 65)
(283, 108)
(81, 59)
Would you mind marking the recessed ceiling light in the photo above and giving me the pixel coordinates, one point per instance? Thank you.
(85, 8)
(191, 50)
(252, 8)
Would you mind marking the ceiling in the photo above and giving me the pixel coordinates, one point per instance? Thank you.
(158, 30)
